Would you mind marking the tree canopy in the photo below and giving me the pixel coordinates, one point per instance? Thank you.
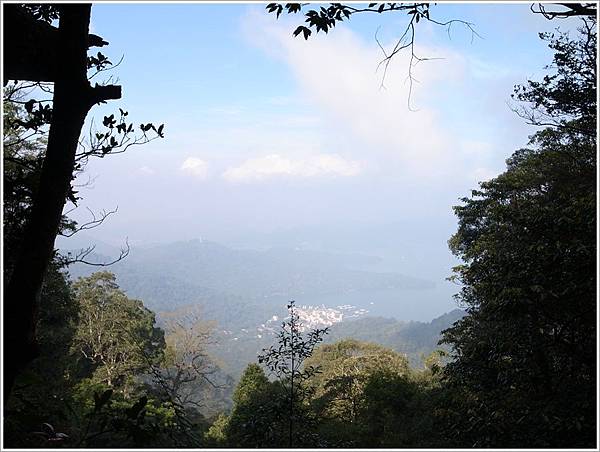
(524, 356)
(116, 334)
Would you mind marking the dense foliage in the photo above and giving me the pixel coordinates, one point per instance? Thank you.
(357, 395)
(255, 420)
(116, 335)
(525, 358)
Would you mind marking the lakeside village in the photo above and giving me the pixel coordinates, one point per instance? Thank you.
(310, 317)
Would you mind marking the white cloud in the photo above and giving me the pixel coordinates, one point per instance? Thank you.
(273, 165)
(337, 74)
(147, 170)
(487, 70)
(195, 167)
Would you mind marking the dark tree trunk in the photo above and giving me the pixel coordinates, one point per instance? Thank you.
(73, 98)
(32, 50)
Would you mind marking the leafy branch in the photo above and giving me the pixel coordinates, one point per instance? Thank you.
(117, 136)
(325, 18)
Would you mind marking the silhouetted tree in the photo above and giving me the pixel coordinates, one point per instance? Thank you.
(285, 361)
(325, 18)
(39, 52)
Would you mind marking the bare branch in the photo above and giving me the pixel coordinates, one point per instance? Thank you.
(88, 183)
(325, 19)
(93, 223)
(81, 255)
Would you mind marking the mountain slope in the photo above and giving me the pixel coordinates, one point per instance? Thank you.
(215, 276)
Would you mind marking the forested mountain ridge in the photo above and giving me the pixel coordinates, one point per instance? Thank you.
(187, 275)
(416, 340)
(255, 274)
(240, 288)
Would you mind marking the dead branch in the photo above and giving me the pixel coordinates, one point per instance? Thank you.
(81, 256)
(93, 223)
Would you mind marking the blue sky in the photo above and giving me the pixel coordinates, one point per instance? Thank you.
(266, 132)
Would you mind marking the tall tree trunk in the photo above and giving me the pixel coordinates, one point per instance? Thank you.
(73, 98)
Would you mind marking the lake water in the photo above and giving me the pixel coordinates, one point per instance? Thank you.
(421, 305)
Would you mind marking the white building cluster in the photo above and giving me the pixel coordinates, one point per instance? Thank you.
(318, 316)
(311, 317)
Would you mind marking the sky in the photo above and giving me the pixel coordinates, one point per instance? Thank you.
(267, 135)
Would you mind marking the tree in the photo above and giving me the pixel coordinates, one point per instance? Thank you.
(42, 391)
(42, 388)
(524, 356)
(136, 400)
(22, 164)
(64, 62)
(565, 10)
(187, 368)
(187, 376)
(216, 436)
(73, 97)
(73, 404)
(393, 411)
(252, 381)
(566, 98)
(345, 368)
(285, 362)
(116, 335)
(255, 420)
(359, 392)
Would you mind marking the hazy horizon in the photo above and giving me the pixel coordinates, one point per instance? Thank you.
(274, 141)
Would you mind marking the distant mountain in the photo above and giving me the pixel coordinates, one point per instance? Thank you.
(243, 289)
(226, 280)
(411, 338)
(409, 246)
